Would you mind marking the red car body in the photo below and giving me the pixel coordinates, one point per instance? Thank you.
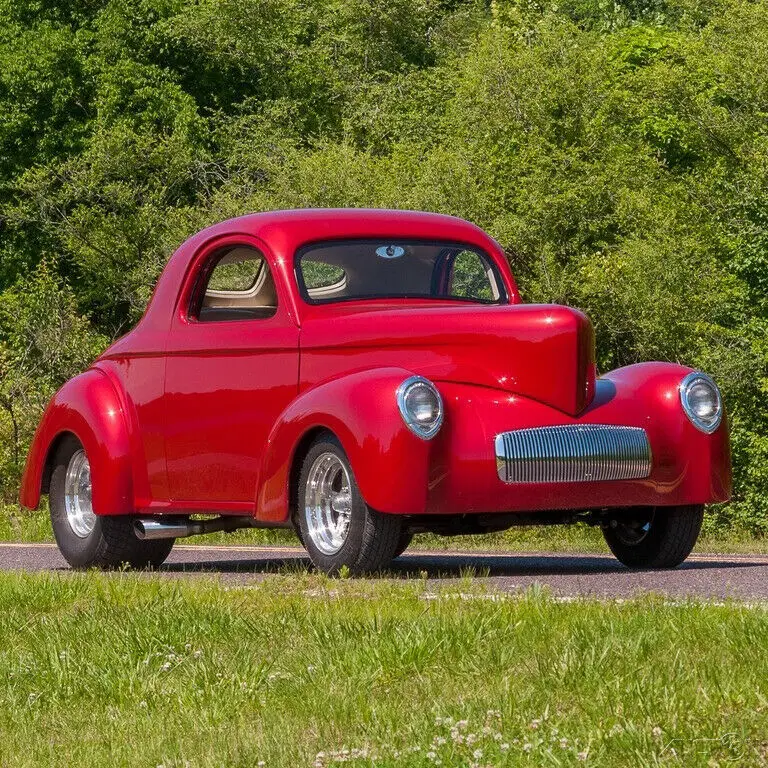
(181, 416)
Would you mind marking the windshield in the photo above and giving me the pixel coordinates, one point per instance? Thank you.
(374, 269)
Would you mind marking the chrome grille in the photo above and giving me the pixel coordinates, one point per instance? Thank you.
(573, 453)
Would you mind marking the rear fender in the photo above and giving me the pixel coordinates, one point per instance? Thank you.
(390, 463)
(88, 407)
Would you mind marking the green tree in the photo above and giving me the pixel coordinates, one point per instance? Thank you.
(43, 342)
(618, 151)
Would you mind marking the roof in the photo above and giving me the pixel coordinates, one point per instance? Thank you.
(290, 229)
(283, 232)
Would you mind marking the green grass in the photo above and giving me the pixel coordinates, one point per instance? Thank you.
(138, 670)
(19, 525)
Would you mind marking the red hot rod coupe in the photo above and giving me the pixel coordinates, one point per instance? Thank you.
(364, 375)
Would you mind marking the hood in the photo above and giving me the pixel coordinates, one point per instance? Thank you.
(541, 351)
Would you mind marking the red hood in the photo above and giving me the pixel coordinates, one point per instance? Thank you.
(541, 351)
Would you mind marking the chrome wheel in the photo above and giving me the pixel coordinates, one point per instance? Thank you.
(328, 503)
(77, 495)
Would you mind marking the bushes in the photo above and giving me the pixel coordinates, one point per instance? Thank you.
(43, 342)
(618, 152)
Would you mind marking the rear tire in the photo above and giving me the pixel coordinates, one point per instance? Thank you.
(93, 541)
(655, 537)
(338, 529)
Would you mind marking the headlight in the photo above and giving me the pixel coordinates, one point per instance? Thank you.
(701, 401)
(420, 406)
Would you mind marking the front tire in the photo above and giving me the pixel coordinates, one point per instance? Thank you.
(655, 537)
(338, 529)
(87, 540)
(403, 543)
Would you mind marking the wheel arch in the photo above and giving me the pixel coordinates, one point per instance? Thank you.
(297, 460)
(88, 408)
(360, 411)
(50, 458)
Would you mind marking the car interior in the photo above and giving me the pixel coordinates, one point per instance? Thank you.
(366, 269)
(240, 287)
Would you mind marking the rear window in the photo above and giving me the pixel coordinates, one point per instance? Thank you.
(377, 269)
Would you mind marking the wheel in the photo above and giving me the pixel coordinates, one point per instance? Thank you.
(404, 543)
(655, 537)
(336, 526)
(88, 540)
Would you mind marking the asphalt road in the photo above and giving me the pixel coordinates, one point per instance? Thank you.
(743, 577)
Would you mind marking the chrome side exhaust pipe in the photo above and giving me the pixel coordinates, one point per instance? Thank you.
(148, 530)
(151, 528)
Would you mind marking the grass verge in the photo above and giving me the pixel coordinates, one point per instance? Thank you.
(132, 670)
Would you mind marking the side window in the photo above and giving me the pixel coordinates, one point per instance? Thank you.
(238, 286)
(471, 278)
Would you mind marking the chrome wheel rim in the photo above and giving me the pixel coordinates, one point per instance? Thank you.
(328, 503)
(77, 495)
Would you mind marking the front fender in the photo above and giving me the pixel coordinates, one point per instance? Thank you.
(688, 466)
(88, 407)
(390, 463)
(703, 461)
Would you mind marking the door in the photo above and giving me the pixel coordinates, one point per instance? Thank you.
(232, 367)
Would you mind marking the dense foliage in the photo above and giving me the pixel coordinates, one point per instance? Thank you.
(618, 150)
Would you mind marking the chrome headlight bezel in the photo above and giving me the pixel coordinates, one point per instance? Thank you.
(686, 385)
(419, 428)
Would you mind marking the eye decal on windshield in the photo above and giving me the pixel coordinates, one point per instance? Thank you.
(390, 251)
